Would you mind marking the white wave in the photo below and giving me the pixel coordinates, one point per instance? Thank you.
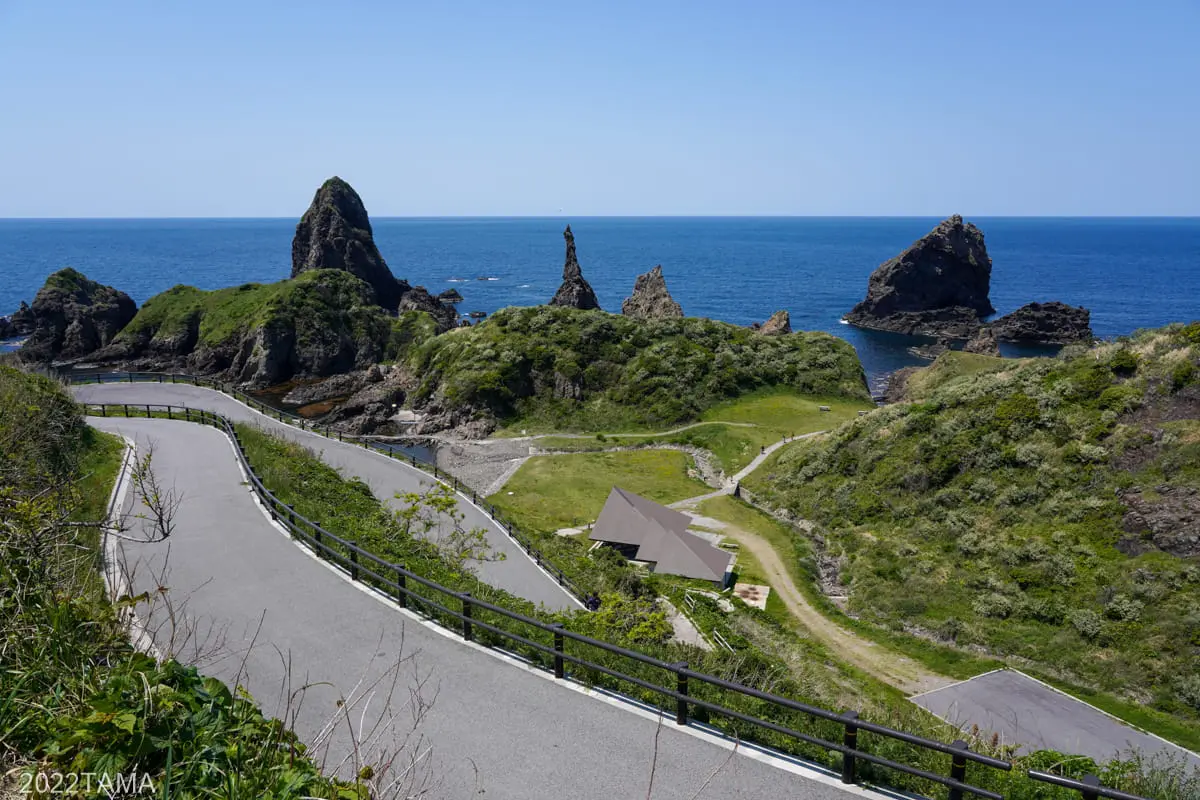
(487, 279)
(456, 280)
(843, 322)
(525, 286)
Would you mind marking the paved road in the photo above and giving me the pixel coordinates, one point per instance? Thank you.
(516, 573)
(1032, 714)
(494, 727)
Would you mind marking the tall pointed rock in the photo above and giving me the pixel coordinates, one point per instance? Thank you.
(650, 298)
(335, 233)
(575, 292)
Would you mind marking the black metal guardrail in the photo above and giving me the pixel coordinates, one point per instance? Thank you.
(398, 582)
(430, 467)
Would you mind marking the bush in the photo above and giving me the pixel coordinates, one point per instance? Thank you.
(1086, 622)
(1123, 362)
(993, 605)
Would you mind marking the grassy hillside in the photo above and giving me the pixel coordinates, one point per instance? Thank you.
(549, 368)
(313, 301)
(1043, 510)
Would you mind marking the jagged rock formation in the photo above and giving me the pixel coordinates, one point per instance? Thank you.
(1166, 519)
(650, 298)
(1045, 323)
(418, 298)
(6, 328)
(73, 317)
(938, 286)
(450, 296)
(338, 386)
(983, 343)
(897, 384)
(22, 320)
(777, 324)
(574, 292)
(335, 233)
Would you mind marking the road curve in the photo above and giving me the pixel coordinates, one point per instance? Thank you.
(516, 573)
(495, 727)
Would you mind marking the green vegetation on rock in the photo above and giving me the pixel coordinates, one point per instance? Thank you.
(1044, 512)
(552, 368)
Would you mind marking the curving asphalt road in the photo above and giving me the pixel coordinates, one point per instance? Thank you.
(516, 573)
(259, 602)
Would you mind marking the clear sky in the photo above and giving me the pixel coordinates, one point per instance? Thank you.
(837, 107)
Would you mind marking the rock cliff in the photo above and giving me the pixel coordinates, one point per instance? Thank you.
(418, 298)
(1045, 323)
(73, 316)
(650, 298)
(335, 233)
(939, 285)
(574, 292)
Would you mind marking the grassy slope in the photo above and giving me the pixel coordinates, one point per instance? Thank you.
(552, 492)
(312, 301)
(986, 515)
(772, 414)
(520, 364)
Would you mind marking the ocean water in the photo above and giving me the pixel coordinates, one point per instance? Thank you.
(1131, 272)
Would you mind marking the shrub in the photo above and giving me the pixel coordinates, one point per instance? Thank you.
(1188, 690)
(1123, 362)
(1086, 622)
(1123, 608)
(993, 605)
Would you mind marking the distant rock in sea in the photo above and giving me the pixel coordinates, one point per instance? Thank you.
(450, 296)
(335, 233)
(1045, 323)
(575, 292)
(938, 286)
(931, 351)
(73, 317)
(418, 298)
(650, 298)
(983, 343)
(777, 324)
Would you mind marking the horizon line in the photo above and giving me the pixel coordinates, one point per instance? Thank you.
(132, 218)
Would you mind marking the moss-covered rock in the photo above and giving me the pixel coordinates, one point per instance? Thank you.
(73, 316)
(321, 323)
(590, 370)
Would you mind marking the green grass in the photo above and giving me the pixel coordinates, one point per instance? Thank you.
(773, 414)
(987, 515)
(950, 366)
(552, 492)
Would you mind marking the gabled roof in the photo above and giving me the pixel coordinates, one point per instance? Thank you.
(661, 536)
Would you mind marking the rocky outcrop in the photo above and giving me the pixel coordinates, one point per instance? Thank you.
(74, 317)
(931, 351)
(777, 324)
(1167, 519)
(650, 298)
(338, 386)
(450, 296)
(983, 343)
(1045, 323)
(897, 385)
(23, 321)
(335, 233)
(938, 286)
(418, 298)
(574, 292)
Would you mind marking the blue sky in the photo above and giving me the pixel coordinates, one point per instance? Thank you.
(121, 108)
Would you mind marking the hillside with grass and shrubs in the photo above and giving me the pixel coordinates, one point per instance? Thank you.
(551, 368)
(1045, 511)
(75, 697)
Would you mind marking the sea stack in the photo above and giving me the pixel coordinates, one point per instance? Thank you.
(1045, 323)
(650, 298)
(73, 317)
(938, 286)
(442, 310)
(575, 292)
(335, 233)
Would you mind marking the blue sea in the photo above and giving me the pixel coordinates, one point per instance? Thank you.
(1131, 272)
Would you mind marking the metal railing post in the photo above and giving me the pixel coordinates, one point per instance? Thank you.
(147, 411)
(353, 563)
(317, 536)
(402, 586)
(958, 768)
(466, 610)
(160, 377)
(681, 688)
(187, 413)
(291, 518)
(126, 410)
(130, 376)
(1090, 780)
(559, 669)
(849, 740)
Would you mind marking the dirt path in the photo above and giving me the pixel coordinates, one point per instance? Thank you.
(887, 666)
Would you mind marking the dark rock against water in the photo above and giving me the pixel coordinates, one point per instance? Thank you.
(931, 351)
(73, 317)
(777, 324)
(1045, 323)
(983, 343)
(650, 298)
(20, 323)
(575, 292)
(335, 233)
(418, 298)
(450, 296)
(939, 285)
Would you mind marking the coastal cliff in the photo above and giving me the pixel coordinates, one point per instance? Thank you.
(72, 317)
